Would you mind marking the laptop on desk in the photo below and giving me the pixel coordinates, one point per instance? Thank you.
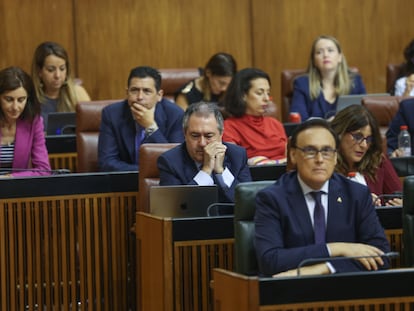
(59, 123)
(182, 201)
(348, 100)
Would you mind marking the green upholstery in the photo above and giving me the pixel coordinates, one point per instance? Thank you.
(408, 221)
(245, 254)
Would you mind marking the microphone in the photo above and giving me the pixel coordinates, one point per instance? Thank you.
(305, 262)
(60, 171)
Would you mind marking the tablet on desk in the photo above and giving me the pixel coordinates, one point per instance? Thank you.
(182, 201)
(348, 100)
(59, 123)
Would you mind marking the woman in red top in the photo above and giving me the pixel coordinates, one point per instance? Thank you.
(361, 151)
(246, 100)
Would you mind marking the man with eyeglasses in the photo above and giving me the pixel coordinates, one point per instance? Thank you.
(143, 117)
(313, 212)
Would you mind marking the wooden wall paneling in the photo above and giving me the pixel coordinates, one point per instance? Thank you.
(372, 34)
(114, 36)
(25, 24)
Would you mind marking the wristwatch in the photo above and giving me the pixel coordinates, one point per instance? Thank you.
(151, 129)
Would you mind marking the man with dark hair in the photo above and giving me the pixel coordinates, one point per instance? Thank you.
(144, 117)
(314, 213)
(203, 159)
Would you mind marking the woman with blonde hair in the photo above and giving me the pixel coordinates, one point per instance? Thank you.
(328, 76)
(55, 87)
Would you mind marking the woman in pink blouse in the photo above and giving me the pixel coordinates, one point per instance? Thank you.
(22, 141)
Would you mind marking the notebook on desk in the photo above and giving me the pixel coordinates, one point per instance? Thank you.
(182, 201)
(61, 123)
(348, 100)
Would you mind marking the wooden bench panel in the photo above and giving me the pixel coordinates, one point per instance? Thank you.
(66, 252)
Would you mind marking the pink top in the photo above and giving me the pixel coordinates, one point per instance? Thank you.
(30, 150)
(261, 136)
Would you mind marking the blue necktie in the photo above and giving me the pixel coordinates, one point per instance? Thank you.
(139, 138)
(318, 219)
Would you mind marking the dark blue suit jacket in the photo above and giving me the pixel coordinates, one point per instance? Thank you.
(302, 103)
(178, 168)
(284, 231)
(404, 116)
(116, 146)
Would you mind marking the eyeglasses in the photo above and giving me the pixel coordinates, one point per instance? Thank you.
(311, 152)
(359, 138)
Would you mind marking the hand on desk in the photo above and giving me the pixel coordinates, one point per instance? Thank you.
(358, 250)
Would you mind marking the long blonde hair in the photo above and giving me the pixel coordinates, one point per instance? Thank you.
(67, 96)
(344, 78)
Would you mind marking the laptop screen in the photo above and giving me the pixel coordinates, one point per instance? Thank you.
(61, 123)
(182, 201)
(348, 100)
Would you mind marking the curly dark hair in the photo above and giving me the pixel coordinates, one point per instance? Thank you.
(351, 119)
(408, 67)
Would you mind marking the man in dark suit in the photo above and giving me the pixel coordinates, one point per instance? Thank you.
(404, 116)
(144, 117)
(203, 159)
(345, 222)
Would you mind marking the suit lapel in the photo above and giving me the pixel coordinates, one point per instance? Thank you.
(299, 207)
(336, 206)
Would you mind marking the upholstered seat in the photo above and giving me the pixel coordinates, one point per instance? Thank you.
(287, 78)
(408, 221)
(149, 174)
(245, 254)
(392, 74)
(88, 121)
(174, 78)
(383, 108)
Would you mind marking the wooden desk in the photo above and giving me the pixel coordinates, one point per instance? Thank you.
(65, 242)
(382, 290)
(176, 258)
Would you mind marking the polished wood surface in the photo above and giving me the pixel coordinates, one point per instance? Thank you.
(106, 39)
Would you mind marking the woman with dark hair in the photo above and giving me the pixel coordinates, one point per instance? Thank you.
(55, 87)
(22, 140)
(216, 77)
(246, 100)
(361, 152)
(328, 76)
(404, 86)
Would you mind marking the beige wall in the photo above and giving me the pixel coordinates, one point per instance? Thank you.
(106, 38)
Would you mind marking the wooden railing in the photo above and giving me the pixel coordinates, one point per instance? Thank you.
(68, 251)
(64, 160)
